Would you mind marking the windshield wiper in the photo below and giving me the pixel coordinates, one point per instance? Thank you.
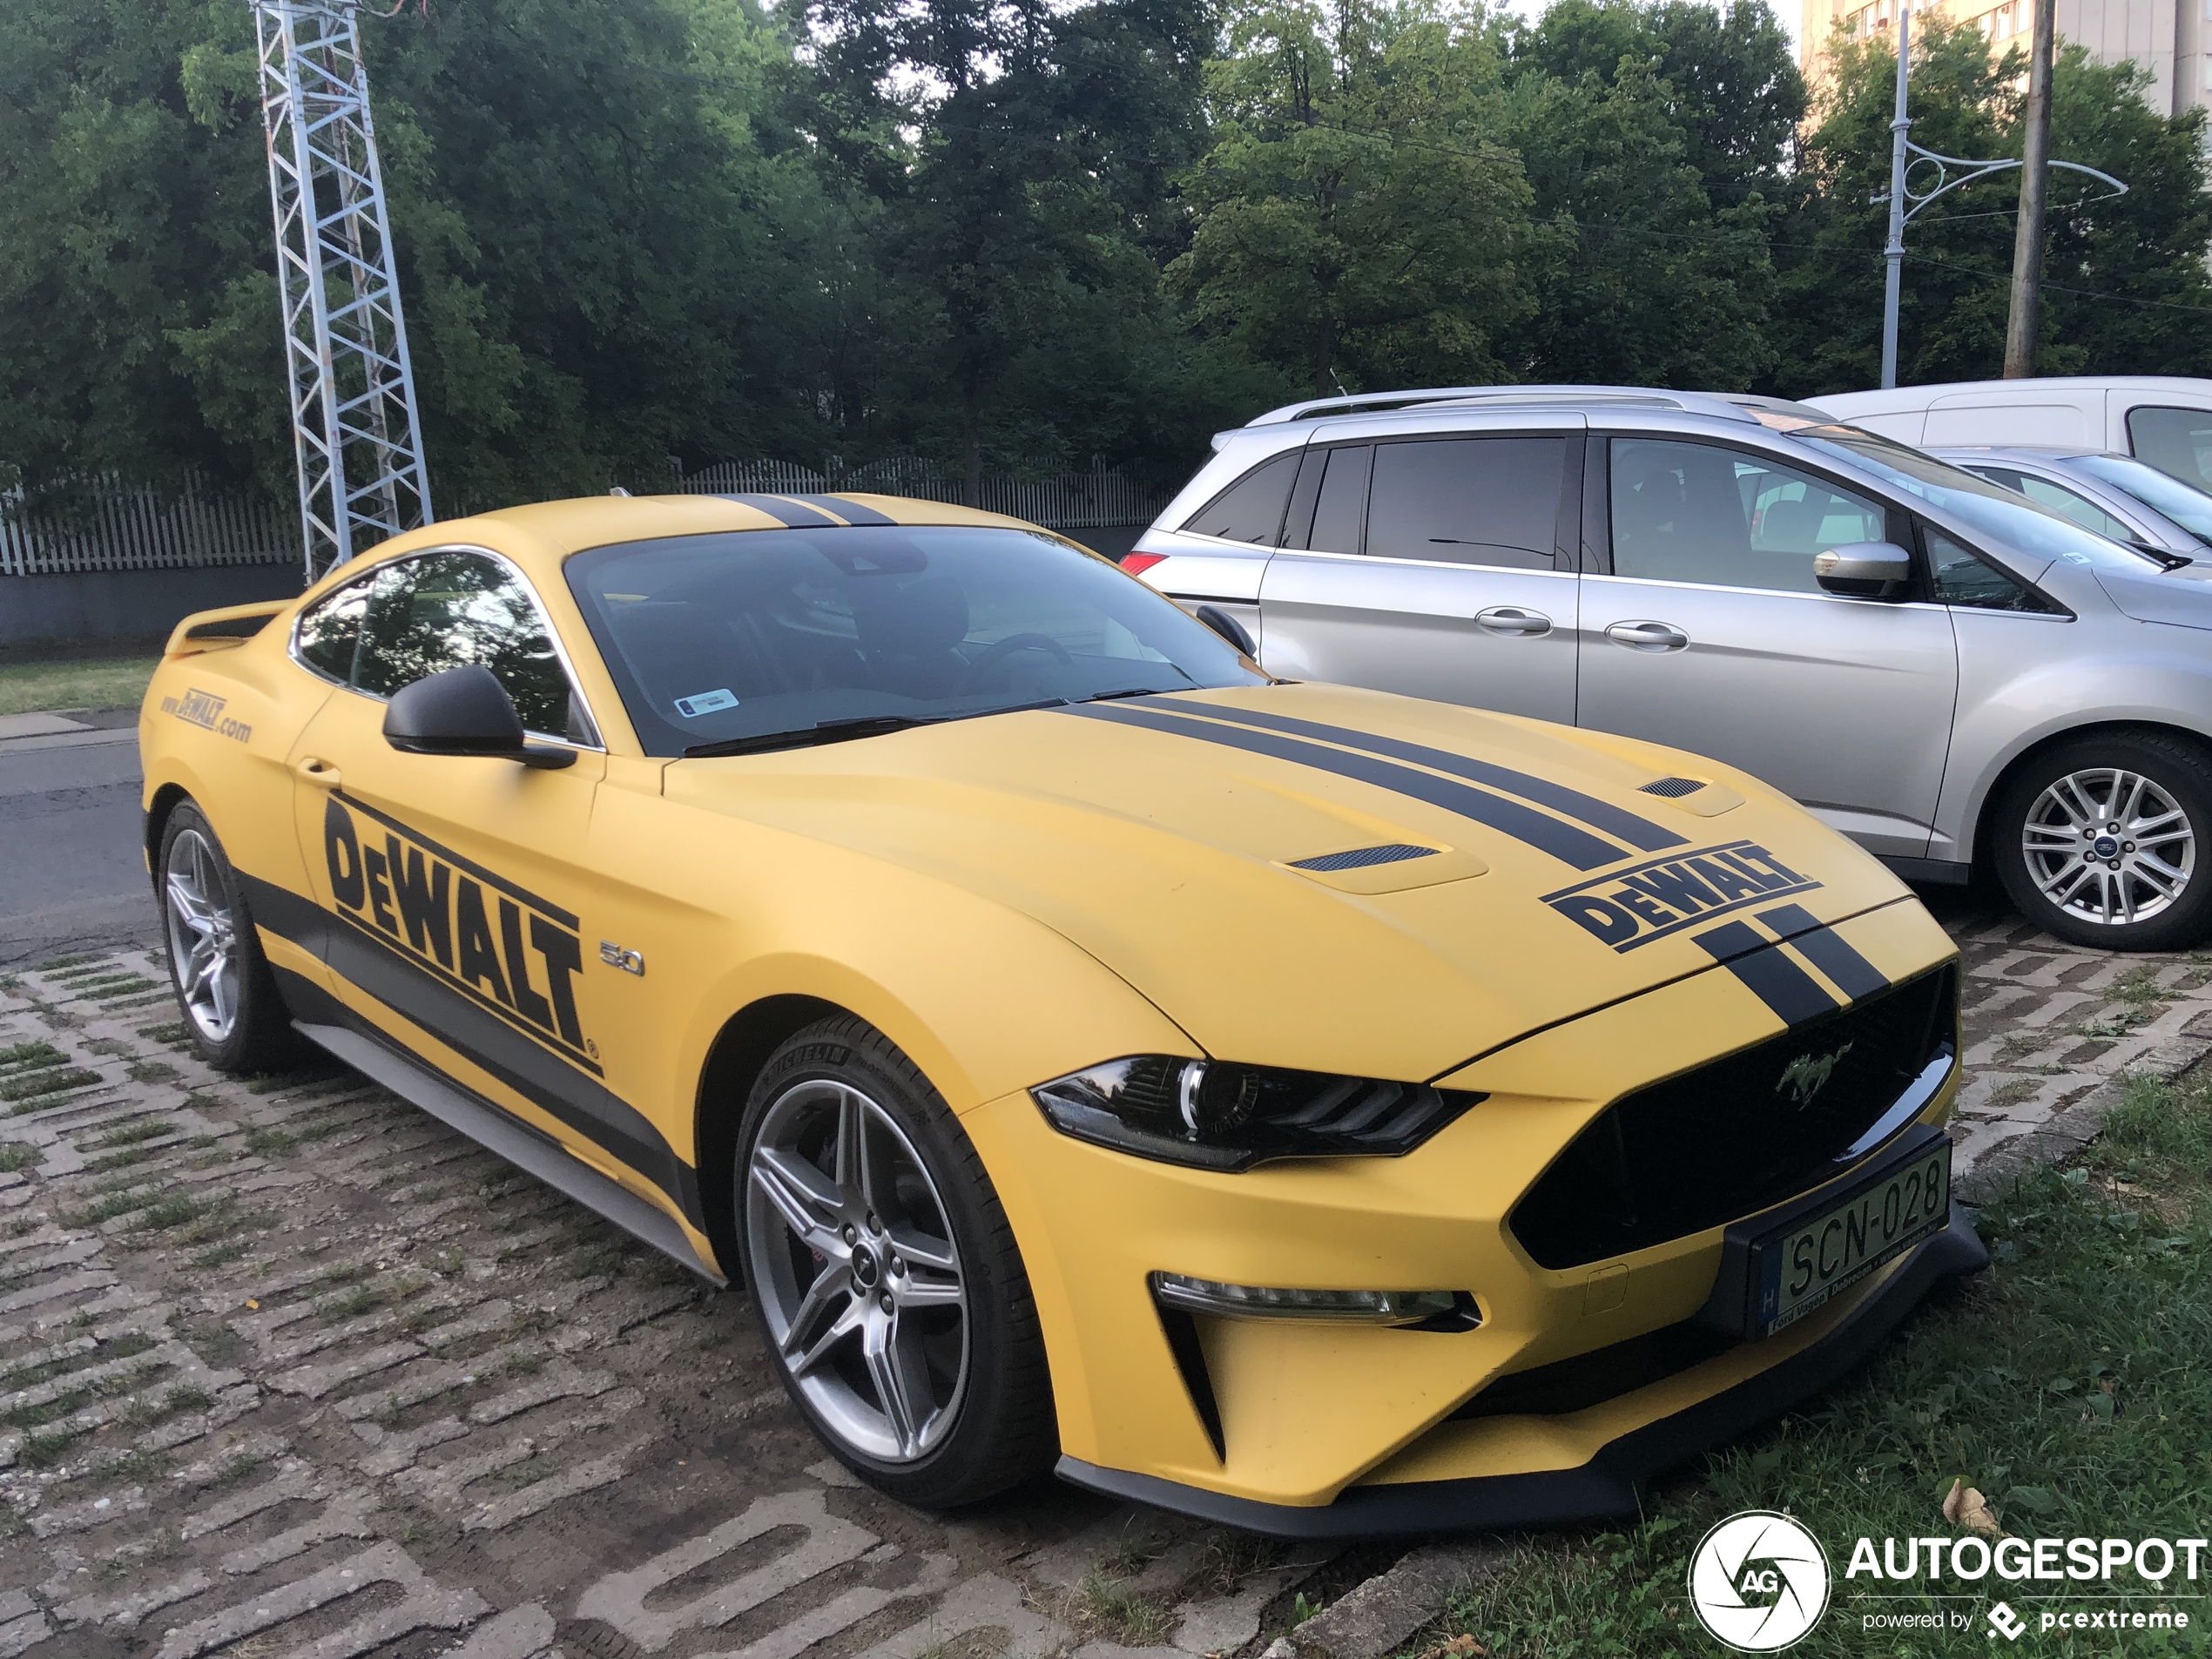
(863, 726)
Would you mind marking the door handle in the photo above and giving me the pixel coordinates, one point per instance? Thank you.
(317, 772)
(1647, 635)
(1511, 619)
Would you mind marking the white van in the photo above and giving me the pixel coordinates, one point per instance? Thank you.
(2162, 419)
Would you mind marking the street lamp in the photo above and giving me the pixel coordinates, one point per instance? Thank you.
(1905, 203)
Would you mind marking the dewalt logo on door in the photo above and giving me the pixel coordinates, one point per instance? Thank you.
(473, 930)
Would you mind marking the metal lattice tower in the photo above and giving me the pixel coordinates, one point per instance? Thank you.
(353, 418)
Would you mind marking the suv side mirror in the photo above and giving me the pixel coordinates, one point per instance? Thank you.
(1865, 570)
(465, 711)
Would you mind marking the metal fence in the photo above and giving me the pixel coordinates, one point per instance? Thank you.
(115, 527)
(112, 527)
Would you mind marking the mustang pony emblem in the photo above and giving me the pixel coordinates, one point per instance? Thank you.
(1807, 1075)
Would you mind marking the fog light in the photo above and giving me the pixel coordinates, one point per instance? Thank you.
(1341, 1307)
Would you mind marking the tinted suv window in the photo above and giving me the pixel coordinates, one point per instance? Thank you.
(443, 610)
(1343, 504)
(1251, 509)
(1476, 500)
(2176, 441)
(330, 628)
(1696, 512)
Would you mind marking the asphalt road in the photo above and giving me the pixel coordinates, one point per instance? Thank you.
(71, 874)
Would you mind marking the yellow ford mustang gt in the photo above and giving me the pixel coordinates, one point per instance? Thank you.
(1314, 1110)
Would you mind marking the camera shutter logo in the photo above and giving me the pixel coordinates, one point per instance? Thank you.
(1759, 1581)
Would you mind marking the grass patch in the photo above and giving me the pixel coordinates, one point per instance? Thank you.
(151, 1071)
(1103, 1605)
(122, 1160)
(31, 1054)
(98, 683)
(2067, 1385)
(28, 1093)
(144, 1128)
(171, 1031)
(18, 1155)
(269, 1142)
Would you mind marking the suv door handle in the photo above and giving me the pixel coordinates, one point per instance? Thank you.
(1647, 635)
(1511, 619)
(320, 773)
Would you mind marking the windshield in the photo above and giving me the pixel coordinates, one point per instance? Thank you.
(2190, 508)
(745, 636)
(2012, 520)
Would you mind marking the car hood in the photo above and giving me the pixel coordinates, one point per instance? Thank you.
(2181, 598)
(1319, 877)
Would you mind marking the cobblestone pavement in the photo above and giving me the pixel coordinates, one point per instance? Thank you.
(290, 1371)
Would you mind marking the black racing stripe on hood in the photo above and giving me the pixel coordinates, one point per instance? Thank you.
(1562, 841)
(791, 514)
(1786, 988)
(851, 511)
(1601, 815)
(1826, 950)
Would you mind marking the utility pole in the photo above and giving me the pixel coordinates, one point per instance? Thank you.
(355, 432)
(1906, 203)
(2026, 318)
(1893, 251)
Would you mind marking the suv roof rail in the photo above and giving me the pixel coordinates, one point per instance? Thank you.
(1712, 403)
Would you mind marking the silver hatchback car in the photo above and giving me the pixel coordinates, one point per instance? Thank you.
(1942, 669)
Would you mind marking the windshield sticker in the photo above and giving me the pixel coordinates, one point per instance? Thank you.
(1660, 896)
(704, 703)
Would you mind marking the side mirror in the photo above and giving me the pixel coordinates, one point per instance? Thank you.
(1228, 628)
(1865, 570)
(465, 711)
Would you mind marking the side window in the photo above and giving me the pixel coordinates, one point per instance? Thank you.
(444, 610)
(1960, 577)
(1343, 504)
(1474, 501)
(1251, 509)
(2176, 441)
(2080, 508)
(330, 628)
(1696, 512)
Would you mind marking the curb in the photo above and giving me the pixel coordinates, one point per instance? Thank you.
(2068, 1132)
(1377, 1617)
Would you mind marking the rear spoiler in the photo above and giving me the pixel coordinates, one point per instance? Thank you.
(223, 630)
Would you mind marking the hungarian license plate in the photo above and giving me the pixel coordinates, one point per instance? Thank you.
(1797, 1269)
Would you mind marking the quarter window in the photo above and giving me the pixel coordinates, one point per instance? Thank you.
(2176, 441)
(330, 630)
(1696, 512)
(1962, 577)
(1471, 501)
(1251, 509)
(2060, 500)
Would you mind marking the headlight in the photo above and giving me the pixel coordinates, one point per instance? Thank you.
(1219, 1116)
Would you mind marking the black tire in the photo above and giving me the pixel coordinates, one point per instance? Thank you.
(2058, 797)
(994, 1425)
(258, 1036)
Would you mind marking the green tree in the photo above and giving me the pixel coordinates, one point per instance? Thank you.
(1356, 222)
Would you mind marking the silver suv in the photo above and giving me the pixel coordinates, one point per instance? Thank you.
(1944, 671)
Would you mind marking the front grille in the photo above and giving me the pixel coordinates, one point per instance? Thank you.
(1360, 857)
(1738, 1135)
(1672, 788)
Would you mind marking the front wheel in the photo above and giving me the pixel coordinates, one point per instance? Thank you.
(885, 1274)
(2103, 840)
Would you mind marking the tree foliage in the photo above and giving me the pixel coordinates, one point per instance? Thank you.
(1014, 233)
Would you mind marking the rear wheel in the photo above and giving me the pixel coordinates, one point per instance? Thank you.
(2104, 841)
(885, 1274)
(232, 1010)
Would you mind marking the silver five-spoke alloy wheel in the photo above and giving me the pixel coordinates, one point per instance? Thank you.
(857, 1277)
(2109, 845)
(203, 945)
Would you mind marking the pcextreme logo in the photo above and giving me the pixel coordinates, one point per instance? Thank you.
(1759, 1581)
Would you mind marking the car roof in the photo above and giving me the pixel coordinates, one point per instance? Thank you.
(539, 535)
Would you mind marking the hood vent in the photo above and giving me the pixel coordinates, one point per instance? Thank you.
(1361, 857)
(1672, 788)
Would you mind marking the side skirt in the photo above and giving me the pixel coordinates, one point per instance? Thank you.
(519, 1144)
